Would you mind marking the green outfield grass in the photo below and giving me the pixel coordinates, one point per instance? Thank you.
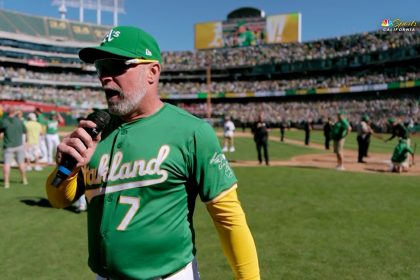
(376, 146)
(246, 150)
(321, 224)
(307, 223)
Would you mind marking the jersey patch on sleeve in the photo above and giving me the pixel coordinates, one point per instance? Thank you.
(221, 162)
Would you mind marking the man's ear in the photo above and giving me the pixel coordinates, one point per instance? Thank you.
(154, 73)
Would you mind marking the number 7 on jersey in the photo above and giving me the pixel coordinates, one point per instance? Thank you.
(134, 203)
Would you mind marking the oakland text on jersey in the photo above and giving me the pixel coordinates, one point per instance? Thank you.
(127, 170)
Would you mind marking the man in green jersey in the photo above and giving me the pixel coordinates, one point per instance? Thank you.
(399, 159)
(13, 146)
(398, 130)
(245, 37)
(52, 137)
(339, 131)
(142, 175)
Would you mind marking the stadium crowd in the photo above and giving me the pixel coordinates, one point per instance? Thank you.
(236, 86)
(362, 43)
(31, 85)
(338, 80)
(266, 54)
(26, 74)
(93, 97)
(295, 113)
(85, 98)
(280, 85)
(276, 112)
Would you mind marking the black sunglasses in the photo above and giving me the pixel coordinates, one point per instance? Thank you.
(114, 66)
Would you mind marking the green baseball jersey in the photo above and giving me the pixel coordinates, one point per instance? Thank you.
(339, 129)
(401, 131)
(52, 127)
(141, 186)
(401, 152)
(13, 129)
(246, 38)
(42, 119)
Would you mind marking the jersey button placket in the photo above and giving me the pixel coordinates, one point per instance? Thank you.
(123, 132)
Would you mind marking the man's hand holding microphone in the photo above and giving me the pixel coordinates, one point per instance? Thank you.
(76, 149)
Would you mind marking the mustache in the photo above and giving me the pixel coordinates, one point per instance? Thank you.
(112, 91)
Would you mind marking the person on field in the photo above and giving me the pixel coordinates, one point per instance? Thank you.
(52, 134)
(43, 120)
(339, 132)
(399, 130)
(399, 159)
(364, 131)
(307, 128)
(33, 152)
(13, 131)
(142, 174)
(282, 130)
(260, 131)
(327, 133)
(228, 135)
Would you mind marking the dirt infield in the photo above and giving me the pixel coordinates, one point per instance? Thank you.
(375, 163)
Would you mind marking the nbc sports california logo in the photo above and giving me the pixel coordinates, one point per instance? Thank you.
(397, 25)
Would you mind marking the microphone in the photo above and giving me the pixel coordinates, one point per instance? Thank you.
(68, 163)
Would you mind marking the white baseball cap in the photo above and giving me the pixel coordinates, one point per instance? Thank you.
(32, 116)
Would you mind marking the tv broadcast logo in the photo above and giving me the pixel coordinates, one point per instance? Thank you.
(386, 23)
(397, 25)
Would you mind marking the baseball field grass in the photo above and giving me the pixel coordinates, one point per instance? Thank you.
(307, 223)
(377, 143)
(246, 150)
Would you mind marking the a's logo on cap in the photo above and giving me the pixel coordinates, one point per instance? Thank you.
(148, 52)
(111, 36)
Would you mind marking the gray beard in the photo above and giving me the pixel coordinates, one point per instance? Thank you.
(129, 102)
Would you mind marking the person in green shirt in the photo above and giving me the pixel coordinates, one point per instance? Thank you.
(399, 159)
(13, 147)
(339, 131)
(245, 37)
(142, 175)
(51, 134)
(398, 130)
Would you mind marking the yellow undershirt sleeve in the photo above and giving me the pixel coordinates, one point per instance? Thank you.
(65, 194)
(235, 236)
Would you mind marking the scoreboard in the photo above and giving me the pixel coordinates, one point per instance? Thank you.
(285, 28)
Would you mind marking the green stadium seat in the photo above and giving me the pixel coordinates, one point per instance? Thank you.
(19, 21)
(6, 24)
(50, 28)
(37, 23)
